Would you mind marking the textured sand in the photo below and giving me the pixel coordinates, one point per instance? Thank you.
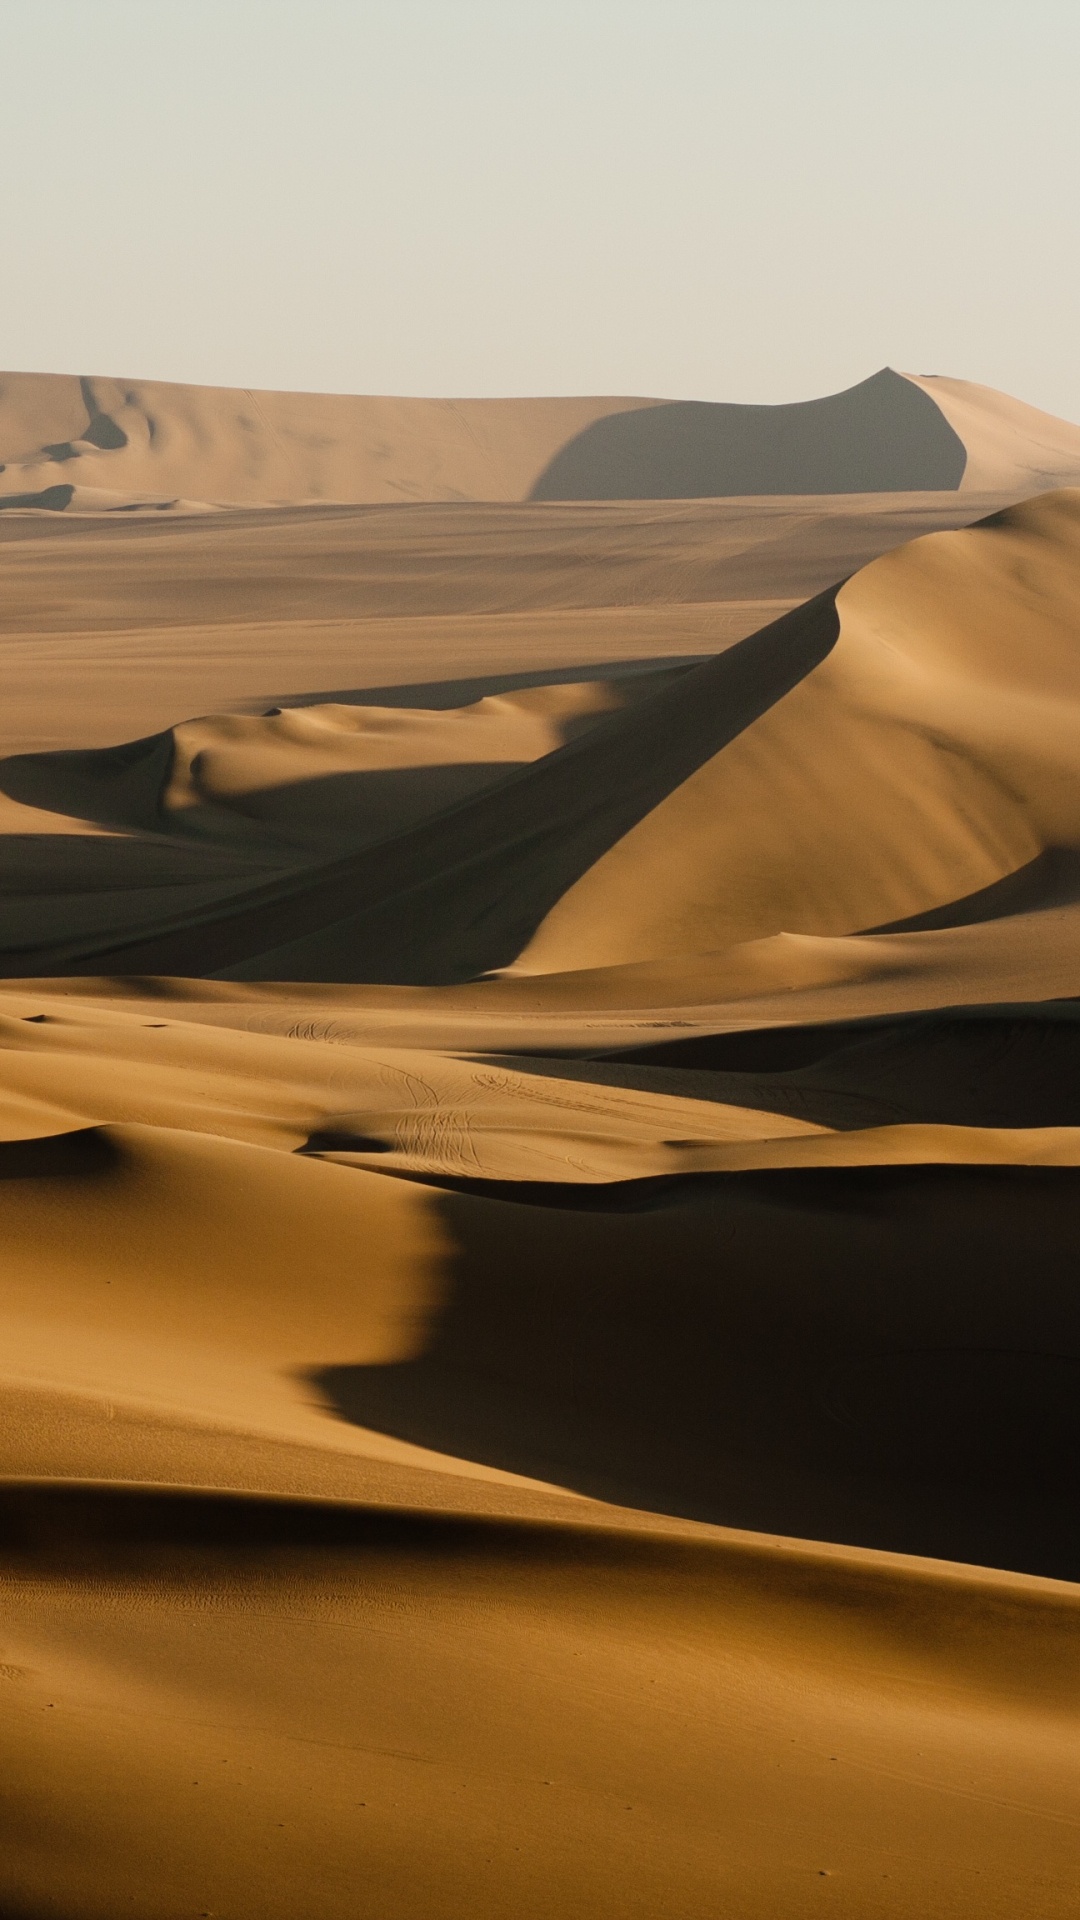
(539, 1159)
(99, 445)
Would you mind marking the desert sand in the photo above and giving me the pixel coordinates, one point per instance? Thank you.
(539, 1156)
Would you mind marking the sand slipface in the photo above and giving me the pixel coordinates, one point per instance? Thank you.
(96, 445)
(539, 1156)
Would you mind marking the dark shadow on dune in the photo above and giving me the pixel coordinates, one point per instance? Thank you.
(60, 887)
(462, 894)
(884, 1357)
(122, 786)
(343, 1140)
(84, 1154)
(172, 1534)
(175, 1537)
(112, 786)
(965, 1067)
(1052, 879)
(34, 865)
(377, 803)
(101, 431)
(52, 499)
(286, 827)
(442, 695)
(885, 435)
(104, 434)
(750, 1049)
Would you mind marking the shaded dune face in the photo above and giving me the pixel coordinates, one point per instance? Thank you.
(539, 1158)
(905, 767)
(315, 1681)
(885, 435)
(704, 1346)
(311, 773)
(1006, 1067)
(436, 903)
(723, 1355)
(525, 1718)
(167, 825)
(137, 446)
(884, 762)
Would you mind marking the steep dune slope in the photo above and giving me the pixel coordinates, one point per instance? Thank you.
(461, 894)
(263, 1703)
(539, 1167)
(470, 1719)
(739, 1370)
(96, 443)
(883, 435)
(316, 773)
(1002, 435)
(235, 445)
(929, 756)
(800, 783)
(118, 627)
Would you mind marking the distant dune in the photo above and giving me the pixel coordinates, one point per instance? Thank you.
(539, 1156)
(867, 759)
(101, 444)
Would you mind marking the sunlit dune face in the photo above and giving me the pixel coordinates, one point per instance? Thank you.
(269, 766)
(539, 1345)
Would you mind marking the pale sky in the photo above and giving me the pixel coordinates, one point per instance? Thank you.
(707, 199)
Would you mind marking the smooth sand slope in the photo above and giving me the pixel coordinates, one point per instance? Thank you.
(95, 444)
(866, 760)
(540, 1169)
(401, 605)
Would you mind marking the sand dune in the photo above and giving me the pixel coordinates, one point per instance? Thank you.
(861, 762)
(71, 443)
(539, 1156)
(551, 1693)
(400, 605)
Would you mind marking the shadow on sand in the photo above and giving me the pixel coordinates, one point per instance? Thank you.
(883, 436)
(884, 1357)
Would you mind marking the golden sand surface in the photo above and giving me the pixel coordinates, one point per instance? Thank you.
(539, 1160)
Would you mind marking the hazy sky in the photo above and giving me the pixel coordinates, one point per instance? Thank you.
(714, 199)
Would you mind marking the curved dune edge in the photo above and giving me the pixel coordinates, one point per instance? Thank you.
(881, 1709)
(869, 760)
(159, 1267)
(598, 1437)
(153, 443)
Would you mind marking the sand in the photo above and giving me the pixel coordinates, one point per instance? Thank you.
(539, 1157)
(99, 445)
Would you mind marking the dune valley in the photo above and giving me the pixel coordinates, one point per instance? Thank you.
(539, 1156)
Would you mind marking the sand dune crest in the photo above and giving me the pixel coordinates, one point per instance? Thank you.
(150, 443)
(539, 1155)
